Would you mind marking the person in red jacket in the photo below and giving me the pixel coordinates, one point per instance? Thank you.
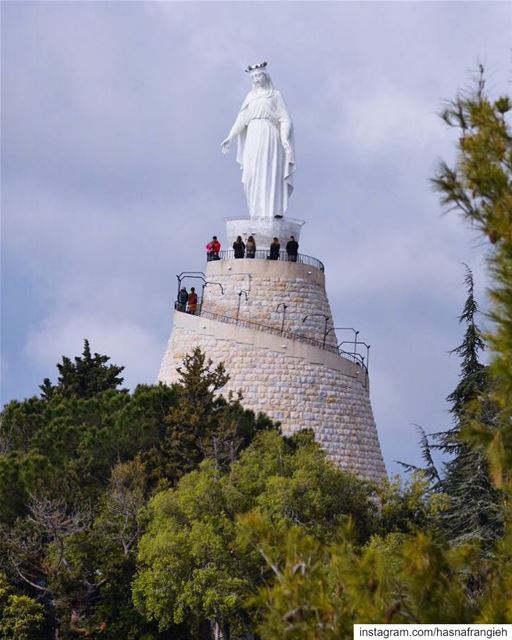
(212, 249)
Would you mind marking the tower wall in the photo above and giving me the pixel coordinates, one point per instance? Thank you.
(299, 384)
(267, 284)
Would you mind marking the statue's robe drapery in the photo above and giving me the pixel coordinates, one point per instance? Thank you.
(267, 169)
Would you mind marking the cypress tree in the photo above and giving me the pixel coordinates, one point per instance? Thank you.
(83, 378)
(202, 423)
(474, 510)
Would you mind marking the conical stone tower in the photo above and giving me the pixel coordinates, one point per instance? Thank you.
(269, 321)
(280, 358)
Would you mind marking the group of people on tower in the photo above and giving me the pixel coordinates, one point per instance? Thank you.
(187, 301)
(248, 249)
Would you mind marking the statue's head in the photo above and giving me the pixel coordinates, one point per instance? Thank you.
(259, 75)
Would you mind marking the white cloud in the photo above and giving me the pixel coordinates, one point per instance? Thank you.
(388, 117)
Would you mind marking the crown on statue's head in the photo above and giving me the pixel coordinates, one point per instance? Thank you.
(254, 67)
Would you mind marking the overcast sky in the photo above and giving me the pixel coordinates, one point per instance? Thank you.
(112, 177)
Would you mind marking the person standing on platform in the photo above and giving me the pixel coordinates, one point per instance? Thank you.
(212, 249)
(182, 299)
(239, 247)
(274, 249)
(251, 247)
(192, 301)
(292, 249)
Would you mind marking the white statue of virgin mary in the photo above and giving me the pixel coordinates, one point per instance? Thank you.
(265, 147)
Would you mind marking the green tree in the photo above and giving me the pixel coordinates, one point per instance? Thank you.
(479, 187)
(320, 591)
(76, 469)
(194, 565)
(21, 617)
(408, 507)
(91, 587)
(65, 532)
(202, 423)
(83, 378)
(475, 508)
(68, 445)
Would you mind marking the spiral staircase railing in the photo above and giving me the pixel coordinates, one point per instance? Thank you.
(357, 358)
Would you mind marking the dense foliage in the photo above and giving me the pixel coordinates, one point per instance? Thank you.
(174, 513)
(196, 529)
(76, 467)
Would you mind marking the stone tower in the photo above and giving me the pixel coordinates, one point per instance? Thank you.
(286, 362)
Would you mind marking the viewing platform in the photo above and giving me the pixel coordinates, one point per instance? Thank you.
(264, 254)
(281, 297)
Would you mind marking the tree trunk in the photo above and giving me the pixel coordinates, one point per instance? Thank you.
(220, 631)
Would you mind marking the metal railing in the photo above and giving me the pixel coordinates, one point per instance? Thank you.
(250, 324)
(264, 254)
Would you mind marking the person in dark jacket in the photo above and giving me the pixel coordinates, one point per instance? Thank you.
(274, 249)
(292, 249)
(182, 299)
(251, 247)
(239, 247)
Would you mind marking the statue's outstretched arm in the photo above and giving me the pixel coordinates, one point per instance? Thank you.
(236, 129)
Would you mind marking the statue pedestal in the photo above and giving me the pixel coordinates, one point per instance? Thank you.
(263, 230)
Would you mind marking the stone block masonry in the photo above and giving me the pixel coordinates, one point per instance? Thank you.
(267, 284)
(300, 385)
